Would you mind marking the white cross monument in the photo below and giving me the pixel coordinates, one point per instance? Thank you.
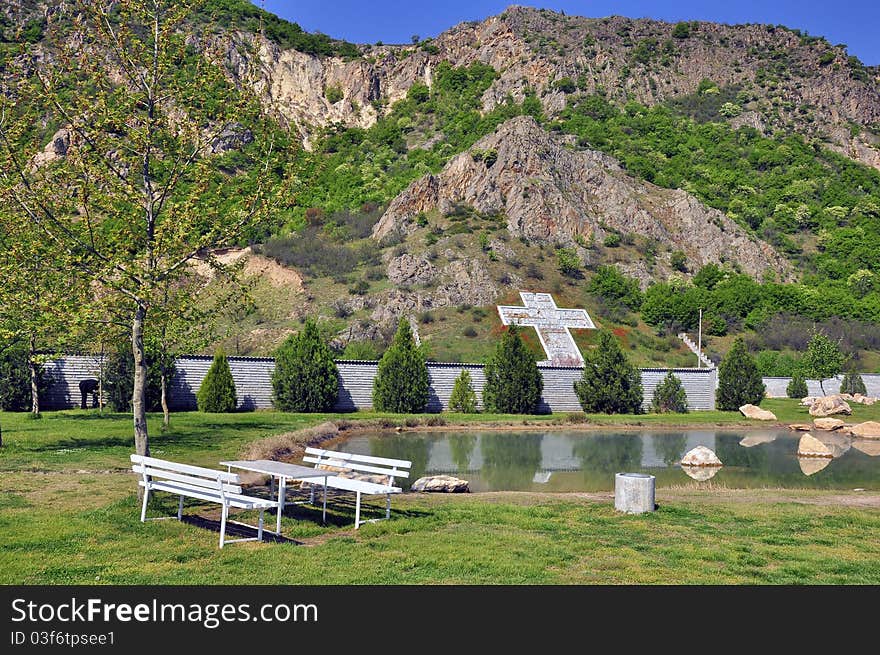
(552, 324)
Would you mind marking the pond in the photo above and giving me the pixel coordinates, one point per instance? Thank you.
(563, 461)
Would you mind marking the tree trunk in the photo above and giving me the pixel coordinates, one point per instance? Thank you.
(138, 395)
(32, 367)
(101, 381)
(166, 415)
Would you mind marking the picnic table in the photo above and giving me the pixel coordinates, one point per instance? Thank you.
(283, 472)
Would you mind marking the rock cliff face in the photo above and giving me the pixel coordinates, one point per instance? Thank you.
(789, 81)
(550, 191)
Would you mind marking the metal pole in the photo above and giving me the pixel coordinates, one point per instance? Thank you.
(700, 339)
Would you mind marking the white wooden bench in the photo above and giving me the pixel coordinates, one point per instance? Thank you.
(352, 469)
(207, 484)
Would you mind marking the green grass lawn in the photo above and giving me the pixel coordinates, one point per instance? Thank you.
(68, 515)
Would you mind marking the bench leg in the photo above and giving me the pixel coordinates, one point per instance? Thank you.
(223, 525)
(324, 511)
(144, 507)
(282, 491)
(180, 509)
(312, 496)
(388, 507)
(357, 512)
(260, 527)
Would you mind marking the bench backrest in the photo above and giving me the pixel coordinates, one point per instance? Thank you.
(393, 468)
(196, 476)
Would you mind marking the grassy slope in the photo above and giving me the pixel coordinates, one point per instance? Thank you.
(71, 465)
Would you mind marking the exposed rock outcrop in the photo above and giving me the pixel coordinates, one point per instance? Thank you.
(458, 282)
(533, 49)
(233, 136)
(550, 192)
(56, 149)
(409, 269)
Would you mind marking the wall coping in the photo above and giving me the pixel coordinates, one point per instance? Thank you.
(373, 362)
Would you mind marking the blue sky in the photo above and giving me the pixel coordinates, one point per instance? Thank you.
(853, 22)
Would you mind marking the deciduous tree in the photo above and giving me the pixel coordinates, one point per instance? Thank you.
(135, 192)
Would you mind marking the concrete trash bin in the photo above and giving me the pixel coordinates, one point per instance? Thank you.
(634, 493)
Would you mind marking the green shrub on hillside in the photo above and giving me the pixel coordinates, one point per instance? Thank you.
(612, 285)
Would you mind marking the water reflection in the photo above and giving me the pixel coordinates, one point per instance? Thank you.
(752, 440)
(612, 453)
(670, 447)
(412, 447)
(462, 448)
(812, 465)
(510, 461)
(870, 447)
(701, 473)
(587, 460)
(837, 443)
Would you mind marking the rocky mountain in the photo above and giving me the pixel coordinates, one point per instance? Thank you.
(549, 190)
(439, 177)
(777, 78)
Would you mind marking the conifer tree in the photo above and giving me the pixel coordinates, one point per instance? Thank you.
(797, 386)
(305, 378)
(513, 381)
(852, 383)
(669, 396)
(463, 398)
(610, 384)
(739, 381)
(217, 392)
(401, 383)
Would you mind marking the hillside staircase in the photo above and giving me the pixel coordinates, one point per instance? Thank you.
(694, 349)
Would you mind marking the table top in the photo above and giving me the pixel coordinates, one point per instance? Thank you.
(280, 469)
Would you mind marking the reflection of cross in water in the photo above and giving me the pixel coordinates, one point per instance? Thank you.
(552, 324)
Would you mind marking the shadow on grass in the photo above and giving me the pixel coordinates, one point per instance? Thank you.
(74, 442)
(86, 415)
(235, 530)
(341, 510)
